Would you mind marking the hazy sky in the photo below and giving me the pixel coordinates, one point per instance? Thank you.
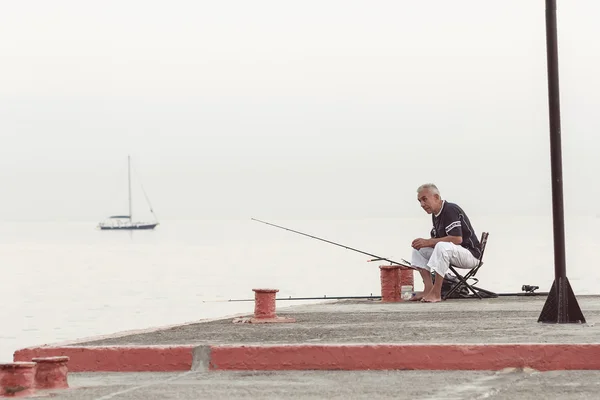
(291, 109)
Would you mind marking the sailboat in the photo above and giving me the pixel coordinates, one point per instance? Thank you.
(126, 221)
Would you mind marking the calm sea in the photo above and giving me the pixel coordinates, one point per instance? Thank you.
(65, 281)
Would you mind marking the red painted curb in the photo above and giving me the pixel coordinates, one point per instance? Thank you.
(543, 357)
(119, 359)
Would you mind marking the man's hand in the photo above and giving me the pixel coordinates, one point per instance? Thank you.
(420, 243)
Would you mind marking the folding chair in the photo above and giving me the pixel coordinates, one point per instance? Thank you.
(462, 280)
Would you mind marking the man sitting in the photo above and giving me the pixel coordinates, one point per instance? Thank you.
(453, 241)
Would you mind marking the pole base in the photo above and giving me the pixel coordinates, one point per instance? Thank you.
(561, 306)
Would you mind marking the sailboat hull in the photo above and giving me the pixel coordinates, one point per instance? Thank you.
(129, 227)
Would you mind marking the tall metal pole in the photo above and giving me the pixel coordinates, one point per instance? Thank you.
(555, 141)
(561, 305)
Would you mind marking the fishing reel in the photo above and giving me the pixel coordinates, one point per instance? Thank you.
(529, 288)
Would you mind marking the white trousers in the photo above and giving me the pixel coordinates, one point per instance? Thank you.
(439, 258)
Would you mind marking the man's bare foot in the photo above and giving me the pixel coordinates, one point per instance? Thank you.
(430, 298)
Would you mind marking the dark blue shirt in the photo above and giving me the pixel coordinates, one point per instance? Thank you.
(452, 221)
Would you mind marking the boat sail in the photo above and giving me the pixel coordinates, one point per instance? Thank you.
(119, 222)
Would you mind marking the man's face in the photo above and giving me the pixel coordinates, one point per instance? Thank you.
(428, 201)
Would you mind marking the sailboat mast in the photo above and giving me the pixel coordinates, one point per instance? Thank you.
(129, 185)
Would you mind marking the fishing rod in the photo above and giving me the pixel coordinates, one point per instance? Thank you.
(404, 263)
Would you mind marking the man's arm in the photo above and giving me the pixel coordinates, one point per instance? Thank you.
(452, 221)
(452, 239)
(420, 243)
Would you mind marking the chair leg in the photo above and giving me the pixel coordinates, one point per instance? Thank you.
(456, 286)
(462, 281)
(472, 290)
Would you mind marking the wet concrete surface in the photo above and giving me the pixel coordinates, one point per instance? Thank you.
(499, 320)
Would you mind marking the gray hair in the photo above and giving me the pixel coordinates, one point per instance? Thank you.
(430, 186)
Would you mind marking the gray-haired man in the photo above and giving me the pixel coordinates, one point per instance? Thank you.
(453, 241)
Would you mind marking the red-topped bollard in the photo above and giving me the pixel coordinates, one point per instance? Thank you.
(17, 379)
(264, 303)
(390, 283)
(264, 308)
(51, 372)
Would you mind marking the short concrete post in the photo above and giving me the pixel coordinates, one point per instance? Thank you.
(264, 309)
(390, 283)
(51, 372)
(264, 303)
(17, 379)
